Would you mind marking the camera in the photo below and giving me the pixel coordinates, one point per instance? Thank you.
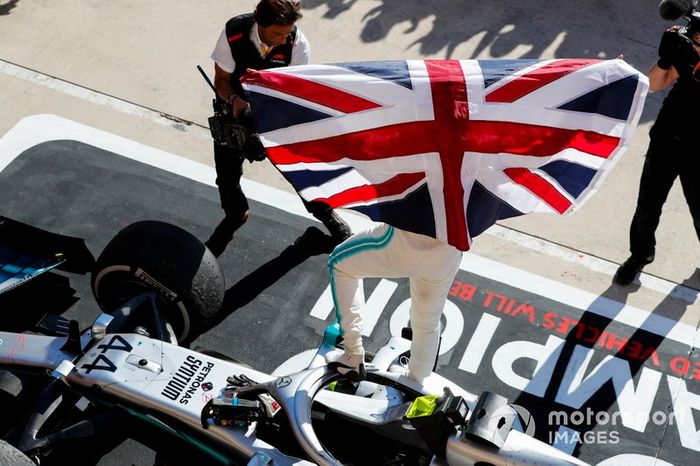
(673, 9)
(693, 26)
(234, 132)
(237, 133)
(676, 46)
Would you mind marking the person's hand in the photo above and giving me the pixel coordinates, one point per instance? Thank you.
(238, 105)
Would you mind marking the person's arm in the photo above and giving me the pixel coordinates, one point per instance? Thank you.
(660, 78)
(222, 83)
(224, 65)
(664, 73)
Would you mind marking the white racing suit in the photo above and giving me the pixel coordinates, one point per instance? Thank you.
(387, 252)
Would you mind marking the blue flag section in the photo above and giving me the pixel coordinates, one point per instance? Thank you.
(611, 384)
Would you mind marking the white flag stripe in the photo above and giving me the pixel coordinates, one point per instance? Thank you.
(540, 107)
(565, 119)
(583, 80)
(554, 183)
(468, 180)
(422, 100)
(436, 185)
(414, 163)
(349, 180)
(374, 89)
(326, 128)
(502, 160)
(521, 199)
(472, 68)
(293, 99)
(372, 173)
(559, 92)
(315, 166)
(393, 197)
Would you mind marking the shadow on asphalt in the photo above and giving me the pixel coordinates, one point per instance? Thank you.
(6, 7)
(532, 29)
(312, 242)
(613, 301)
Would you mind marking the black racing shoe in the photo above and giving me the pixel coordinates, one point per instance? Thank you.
(216, 247)
(223, 234)
(217, 242)
(628, 271)
(350, 365)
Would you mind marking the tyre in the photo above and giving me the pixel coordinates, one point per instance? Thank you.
(11, 387)
(160, 257)
(9, 455)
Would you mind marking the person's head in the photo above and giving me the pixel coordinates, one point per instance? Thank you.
(276, 19)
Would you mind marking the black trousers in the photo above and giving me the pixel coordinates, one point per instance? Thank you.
(667, 158)
(229, 169)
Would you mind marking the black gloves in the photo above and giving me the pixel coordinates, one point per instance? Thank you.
(676, 50)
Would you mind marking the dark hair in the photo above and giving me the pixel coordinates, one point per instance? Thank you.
(282, 12)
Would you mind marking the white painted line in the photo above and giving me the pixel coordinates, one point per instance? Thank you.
(34, 130)
(595, 264)
(483, 335)
(98, 98)
(323, 306)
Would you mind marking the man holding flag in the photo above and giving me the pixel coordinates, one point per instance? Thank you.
(438, 151)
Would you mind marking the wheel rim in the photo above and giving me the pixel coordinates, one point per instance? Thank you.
(116, 284)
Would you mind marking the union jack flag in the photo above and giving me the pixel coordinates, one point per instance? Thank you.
(446, 148)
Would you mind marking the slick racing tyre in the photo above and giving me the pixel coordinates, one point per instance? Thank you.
(9, 455)
(157, 256)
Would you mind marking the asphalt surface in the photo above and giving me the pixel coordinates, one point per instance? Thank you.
(128, 69)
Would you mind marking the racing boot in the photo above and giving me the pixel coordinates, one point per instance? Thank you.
(223, 234)
(401, 370)
(628, 271)
(351, 365)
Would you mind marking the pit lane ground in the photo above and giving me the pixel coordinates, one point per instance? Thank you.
(129, 70)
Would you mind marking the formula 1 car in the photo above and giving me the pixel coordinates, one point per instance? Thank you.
(68, 395)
